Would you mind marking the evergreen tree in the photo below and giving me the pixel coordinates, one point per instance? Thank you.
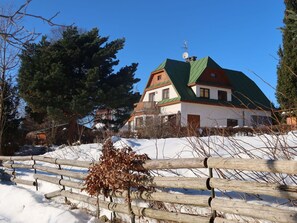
(11, 134)
(287, 69)
(72, 76)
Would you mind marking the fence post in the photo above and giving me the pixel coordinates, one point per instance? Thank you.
(212, 193)
(35, 172)
(13, 169)
(66, 201)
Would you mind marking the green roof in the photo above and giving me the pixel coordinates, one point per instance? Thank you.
(178, 73)
(182, 74)
(198, 66)
(158, 84)
(245, 91)
(164, 101)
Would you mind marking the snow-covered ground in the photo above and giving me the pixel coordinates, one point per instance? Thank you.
(18, 204)
(22, 204)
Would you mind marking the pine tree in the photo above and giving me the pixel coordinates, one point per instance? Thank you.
(72, 76)
(287, 69)
(11, 134)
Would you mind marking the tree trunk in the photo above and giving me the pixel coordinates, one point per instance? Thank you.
(53, 133)
(132, 215)
(72, 130)
(2, 121)
(98, 207)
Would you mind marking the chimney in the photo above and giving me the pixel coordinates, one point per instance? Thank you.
(192, 58)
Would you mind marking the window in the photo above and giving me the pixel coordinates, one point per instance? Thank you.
(232, 122)
(149, 120)
(152, 96)
(258, 120)
(165, 93)
(139, 122)
(213, 75)
(222, 95)
(159, 77)
(204, 92)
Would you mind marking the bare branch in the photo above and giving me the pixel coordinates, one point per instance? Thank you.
(22, 7)
(18, 35)
(48, 21)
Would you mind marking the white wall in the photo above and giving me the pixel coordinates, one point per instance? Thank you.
(216, 116)
(167, 110)
(170, 109)
(213, 91)
(210, 116)
(158, 93)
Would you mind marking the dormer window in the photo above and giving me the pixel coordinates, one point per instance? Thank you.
(204, 93)
(222, 95)
(213, 75)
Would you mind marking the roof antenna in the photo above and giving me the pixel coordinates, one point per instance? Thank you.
(185, 54)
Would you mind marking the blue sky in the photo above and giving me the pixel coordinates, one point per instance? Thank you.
(237, 34)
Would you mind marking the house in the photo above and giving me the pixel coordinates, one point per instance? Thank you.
(103, 116)
(110, 119)
(200, 93)
(290, 117)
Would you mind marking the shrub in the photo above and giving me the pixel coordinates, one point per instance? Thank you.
(119, 169)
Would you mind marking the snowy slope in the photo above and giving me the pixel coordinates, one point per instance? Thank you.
(18, 204)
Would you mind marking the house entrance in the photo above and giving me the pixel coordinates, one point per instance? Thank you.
(193, 122)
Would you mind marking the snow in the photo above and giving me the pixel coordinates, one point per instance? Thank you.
(23, 204)
(18, 204)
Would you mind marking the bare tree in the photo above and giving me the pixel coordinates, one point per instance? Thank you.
(14, 36)
(8, 62)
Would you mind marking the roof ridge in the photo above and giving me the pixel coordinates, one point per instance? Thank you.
(165, 62)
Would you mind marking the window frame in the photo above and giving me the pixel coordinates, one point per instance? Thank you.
(139, 122)
(222, 95)
(204, 93)
(165, 93)
(231, 122)
(151, 96)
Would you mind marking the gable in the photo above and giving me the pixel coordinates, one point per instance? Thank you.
(198, 67)
(158, 79)
(178, 73)
(214, 77)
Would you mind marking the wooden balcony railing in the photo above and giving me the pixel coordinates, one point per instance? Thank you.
(148, 107)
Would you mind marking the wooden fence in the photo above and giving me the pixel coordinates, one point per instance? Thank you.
(217, 208)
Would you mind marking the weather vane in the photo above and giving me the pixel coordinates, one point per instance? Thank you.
(185, 47)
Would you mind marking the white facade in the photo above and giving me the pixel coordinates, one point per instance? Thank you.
(158, 93)
(213, 91)
(217, 116)
(170, 109)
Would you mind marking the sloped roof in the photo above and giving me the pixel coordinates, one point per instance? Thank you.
(182, 74)
(198, 66)
(178, 73)
(245, 91)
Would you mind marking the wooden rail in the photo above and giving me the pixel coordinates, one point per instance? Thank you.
(61, 173)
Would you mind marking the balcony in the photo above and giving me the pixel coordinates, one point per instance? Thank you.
(147, 107)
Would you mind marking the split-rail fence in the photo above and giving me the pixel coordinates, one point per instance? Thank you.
(218, 208)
